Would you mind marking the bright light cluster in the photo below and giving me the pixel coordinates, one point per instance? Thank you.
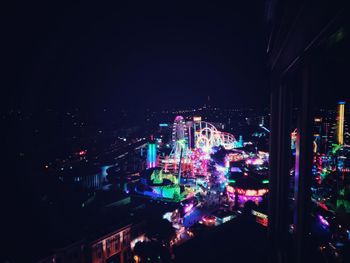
(193, 143)
(208, 136)
(152, 155)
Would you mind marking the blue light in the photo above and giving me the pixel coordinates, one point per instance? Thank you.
(152, 154)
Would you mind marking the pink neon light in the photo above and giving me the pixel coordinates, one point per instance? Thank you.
(323, 220)
(166, 163)
(188, 208)
(249, 192)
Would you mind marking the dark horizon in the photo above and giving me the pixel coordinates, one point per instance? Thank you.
(120, 55)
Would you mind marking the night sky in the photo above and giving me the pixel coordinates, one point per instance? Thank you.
(135, 55)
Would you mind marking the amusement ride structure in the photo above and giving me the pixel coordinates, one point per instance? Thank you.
(192, 144)
(193, 147)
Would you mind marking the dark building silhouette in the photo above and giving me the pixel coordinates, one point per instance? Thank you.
(300, 39)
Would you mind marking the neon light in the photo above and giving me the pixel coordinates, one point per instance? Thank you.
(262, 221)
(163, 125)
(256, 161)
(82, 152)
(258, 214)
(323, 221)
(166, 164)
(151, 155)
(221, 169)
(188, 208)
(341, 110)
(154, 155)
(250, 192)
(236, 170)
(209, 220)
(207, 136)
(194, 154)
(323, 206)
(265, 181)
(261, 218)
(197, 119)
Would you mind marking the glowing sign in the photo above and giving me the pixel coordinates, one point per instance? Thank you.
(249, 192)
(197, 119)
(163, 125)
(262, 221)
(258, 214)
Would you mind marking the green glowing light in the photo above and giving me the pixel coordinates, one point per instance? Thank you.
(265, 181)
(337, 36)
(336, 147)
(182, 143)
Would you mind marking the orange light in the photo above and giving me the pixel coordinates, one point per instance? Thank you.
(341, 110)
(137, 258)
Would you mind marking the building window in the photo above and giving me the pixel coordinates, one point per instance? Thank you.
(99, 250)
(117, 242)
(126, 238)
(108, 245)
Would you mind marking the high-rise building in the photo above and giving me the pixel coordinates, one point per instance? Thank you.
(340, 122)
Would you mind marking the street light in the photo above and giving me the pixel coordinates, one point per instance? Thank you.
(263, 127)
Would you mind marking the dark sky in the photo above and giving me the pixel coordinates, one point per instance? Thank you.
(142, 54)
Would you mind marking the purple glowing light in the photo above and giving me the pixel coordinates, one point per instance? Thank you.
(221, 169)
(323, 221)
(256, 161)
(188, 208)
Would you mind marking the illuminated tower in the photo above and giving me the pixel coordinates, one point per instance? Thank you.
(151, 154)
(340, 122)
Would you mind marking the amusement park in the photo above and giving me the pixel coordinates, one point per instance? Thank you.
(202, 164)
(169, 132)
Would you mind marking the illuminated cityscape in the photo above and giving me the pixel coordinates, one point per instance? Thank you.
(175, 133)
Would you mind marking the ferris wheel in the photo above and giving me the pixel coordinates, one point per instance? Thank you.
(179, 129)
(193, 157)
(179, 136)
